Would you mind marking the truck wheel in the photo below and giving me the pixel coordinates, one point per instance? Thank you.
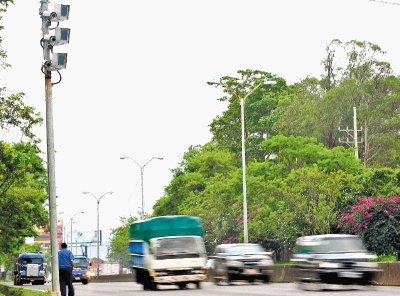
(198, 285)
(84, 282)
(18, 281)
(152, 284)
(182, 286)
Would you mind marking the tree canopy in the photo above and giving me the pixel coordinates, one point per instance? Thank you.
(300, 176)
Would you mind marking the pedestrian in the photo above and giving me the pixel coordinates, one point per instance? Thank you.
(65, 265)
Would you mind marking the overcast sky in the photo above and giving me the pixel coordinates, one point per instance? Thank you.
(135, 82)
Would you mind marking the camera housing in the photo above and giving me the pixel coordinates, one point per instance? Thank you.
(60, 12)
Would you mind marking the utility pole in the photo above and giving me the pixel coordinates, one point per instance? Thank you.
(352, 139)
(58, 13)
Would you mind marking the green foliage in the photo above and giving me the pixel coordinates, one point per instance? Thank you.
(118, 245)
(21, 292)
(318, 108)
(14, 113)
(376, 220)
(259, 110)
(299, 189)
(385, 258)
(300, 176)
(381, 182)
(22, 194)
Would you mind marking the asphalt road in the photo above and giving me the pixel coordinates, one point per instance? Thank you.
(127, 288)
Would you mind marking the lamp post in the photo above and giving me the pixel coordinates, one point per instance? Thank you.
(98, 199)
(242, 100)
(141, 176)
(72, 221)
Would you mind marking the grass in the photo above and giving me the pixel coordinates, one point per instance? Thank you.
(9, 291)
(386, 258)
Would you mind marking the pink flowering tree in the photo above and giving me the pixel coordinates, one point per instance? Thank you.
(377, 221)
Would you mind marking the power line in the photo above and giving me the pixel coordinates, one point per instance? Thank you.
(386, 2)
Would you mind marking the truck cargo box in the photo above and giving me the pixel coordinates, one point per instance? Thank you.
(165, 226)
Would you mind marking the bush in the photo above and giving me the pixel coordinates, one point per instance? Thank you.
(377, 221)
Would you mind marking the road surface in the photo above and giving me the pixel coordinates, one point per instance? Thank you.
(127, 288)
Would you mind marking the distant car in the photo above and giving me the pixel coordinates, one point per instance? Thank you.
(247, 262)
(81, 272)
(333, 259)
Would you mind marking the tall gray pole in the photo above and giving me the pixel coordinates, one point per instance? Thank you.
(52, 185)
(55, 284)
(70, 242)
(98, 199)
(141, 176)
(98, 238)
(245, 230)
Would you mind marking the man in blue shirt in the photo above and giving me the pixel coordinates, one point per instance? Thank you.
(65, 265)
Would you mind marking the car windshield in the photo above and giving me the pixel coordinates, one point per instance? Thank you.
(179, 245)
(81, 262)
(31, 260)
(332, 245)
(244, 249)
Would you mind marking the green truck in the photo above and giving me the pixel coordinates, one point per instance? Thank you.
(168, 250)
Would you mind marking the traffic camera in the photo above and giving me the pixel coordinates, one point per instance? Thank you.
(58, 62)
(61, 36)
(60, 12)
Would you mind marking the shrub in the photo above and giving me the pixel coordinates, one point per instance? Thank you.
(377, 221)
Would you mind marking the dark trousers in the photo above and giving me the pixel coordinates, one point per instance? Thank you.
(66, 280)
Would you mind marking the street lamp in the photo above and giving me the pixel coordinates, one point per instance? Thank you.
(98, 225)
(72, 221)
(141, 175)
(242, 100)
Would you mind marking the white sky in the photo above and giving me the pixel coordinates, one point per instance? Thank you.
(135, 82)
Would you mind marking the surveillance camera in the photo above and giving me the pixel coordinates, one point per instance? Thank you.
(58, 62)
(60, 12)
(60, 37)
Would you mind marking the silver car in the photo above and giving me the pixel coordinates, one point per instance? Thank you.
(247, 262)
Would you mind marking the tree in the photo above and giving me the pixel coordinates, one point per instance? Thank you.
(22, 194)
(119, 241)
(319, 107)
(376, 220)
(259, 111)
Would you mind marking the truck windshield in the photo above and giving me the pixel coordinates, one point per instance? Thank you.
(31, 260)
(179, 245)
(81, 262)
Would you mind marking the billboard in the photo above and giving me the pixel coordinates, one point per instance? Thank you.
(85, 237)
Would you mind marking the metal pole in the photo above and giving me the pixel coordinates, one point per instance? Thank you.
(98, 237)
(72, 218)
(52, 185)
(355, 131)
(141, 175)
(245, 230)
